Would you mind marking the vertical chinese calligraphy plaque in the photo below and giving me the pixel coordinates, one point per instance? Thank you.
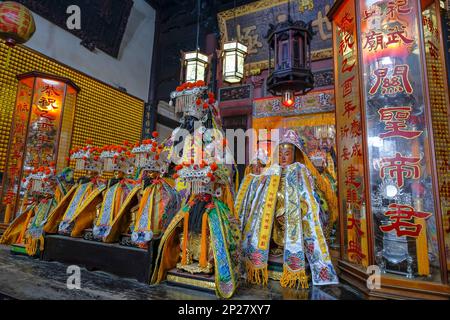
(349, 137)
(403, 109)
(40, 136)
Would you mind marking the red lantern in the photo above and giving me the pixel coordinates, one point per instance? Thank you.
(16, 23)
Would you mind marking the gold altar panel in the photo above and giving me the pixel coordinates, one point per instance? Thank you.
(103, 113)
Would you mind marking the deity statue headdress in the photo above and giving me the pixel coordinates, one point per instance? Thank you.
(86, 158)
(288, 136)
(188, 99)
(194, 101)
(41, 181)
(204, 177)
(151, 156)
(117, 158)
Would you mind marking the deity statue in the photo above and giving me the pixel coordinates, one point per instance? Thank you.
(65, 219)
(45, 190)
(280, 217)
(152, 203)
(117, 159)
(203, 237)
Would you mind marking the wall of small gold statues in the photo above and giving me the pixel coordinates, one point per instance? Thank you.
(104, 114)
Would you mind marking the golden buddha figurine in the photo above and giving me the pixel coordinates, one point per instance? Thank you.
(280, 215)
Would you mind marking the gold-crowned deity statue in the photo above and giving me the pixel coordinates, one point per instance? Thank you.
(280, 212)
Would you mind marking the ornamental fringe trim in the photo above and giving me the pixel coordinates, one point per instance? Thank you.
(291, 279)
(31, 245)
(258, 276)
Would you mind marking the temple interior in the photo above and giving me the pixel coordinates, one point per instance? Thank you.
(224, 149)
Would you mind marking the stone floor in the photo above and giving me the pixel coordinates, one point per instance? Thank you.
(27, 278)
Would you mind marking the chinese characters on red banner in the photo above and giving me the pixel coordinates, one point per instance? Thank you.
(400, 220)
(395, 121)
(35, 133)
(350, 133)
(396, 83)
(15, 161)
(389, 36)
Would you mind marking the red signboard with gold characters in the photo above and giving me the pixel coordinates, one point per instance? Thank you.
(391, 83)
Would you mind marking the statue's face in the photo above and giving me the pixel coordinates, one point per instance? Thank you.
(286, 155)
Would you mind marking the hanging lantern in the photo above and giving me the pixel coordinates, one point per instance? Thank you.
(194, 66)
(16, 23)
(233, 55)
(288, 98)
(290, 60)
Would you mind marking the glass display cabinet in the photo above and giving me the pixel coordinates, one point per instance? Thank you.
(40, 136)
(392, 116)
